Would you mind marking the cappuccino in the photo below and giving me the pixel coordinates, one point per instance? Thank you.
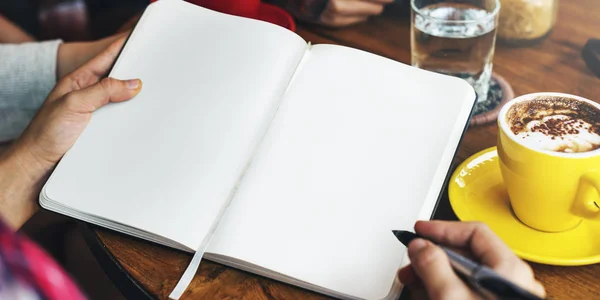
(556, 123)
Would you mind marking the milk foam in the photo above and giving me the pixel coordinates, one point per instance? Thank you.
(573, 135)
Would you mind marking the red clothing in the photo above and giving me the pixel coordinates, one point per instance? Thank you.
(27, 272)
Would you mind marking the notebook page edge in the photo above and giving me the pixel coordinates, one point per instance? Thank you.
(145, 15)
(258, 270)
(115, 226)
(444, 170)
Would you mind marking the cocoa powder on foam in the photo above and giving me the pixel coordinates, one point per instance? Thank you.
(521, 114)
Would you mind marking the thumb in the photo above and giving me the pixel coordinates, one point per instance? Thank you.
(107, 90)
(433, 268)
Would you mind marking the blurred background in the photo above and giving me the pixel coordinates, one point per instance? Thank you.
(70, 20)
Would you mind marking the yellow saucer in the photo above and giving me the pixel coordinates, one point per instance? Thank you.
(477, 193)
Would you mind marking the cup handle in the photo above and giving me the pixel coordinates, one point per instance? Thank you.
(588, 196)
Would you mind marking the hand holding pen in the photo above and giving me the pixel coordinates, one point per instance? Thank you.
(431, 271)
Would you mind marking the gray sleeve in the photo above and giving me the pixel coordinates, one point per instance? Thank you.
(27, 75)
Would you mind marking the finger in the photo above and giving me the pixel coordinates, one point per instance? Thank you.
(538, 289)
(407, 276)
(485, 245)
(101, 64)
(90, 73)
(409, 280)
(432, 266)
(340, 21)
(107, 90)
(480, 239)
(353, 8)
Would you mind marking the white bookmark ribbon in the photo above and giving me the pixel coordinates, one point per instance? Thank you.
(192, 268)
(190, 272)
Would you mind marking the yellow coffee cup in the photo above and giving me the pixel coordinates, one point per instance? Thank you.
(549, 190)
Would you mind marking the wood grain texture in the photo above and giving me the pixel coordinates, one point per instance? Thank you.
(553, 65)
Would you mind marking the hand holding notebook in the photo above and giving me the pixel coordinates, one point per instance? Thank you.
(65, 113)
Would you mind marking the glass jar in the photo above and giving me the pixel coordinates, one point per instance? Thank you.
(525, 22)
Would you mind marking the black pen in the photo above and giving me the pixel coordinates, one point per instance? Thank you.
(486, 280)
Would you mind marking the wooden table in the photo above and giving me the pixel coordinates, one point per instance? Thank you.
(141, 269)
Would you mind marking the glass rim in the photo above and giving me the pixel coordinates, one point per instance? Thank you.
(489, 16)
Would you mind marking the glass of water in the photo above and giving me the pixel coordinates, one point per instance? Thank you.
(456, 37)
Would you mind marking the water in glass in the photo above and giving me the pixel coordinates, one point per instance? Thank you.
(464, 49)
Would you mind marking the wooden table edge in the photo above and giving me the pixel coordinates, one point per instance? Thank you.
(127, 285)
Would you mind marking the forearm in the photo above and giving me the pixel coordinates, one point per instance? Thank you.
(10, 33)
(27, 75)
(21, 180)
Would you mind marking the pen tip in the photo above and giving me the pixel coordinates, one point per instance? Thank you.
(404, 236)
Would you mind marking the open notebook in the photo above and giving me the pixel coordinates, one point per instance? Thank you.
(287, 160)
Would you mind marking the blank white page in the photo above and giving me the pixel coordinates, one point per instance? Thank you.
(166, 161)
(360, 146)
